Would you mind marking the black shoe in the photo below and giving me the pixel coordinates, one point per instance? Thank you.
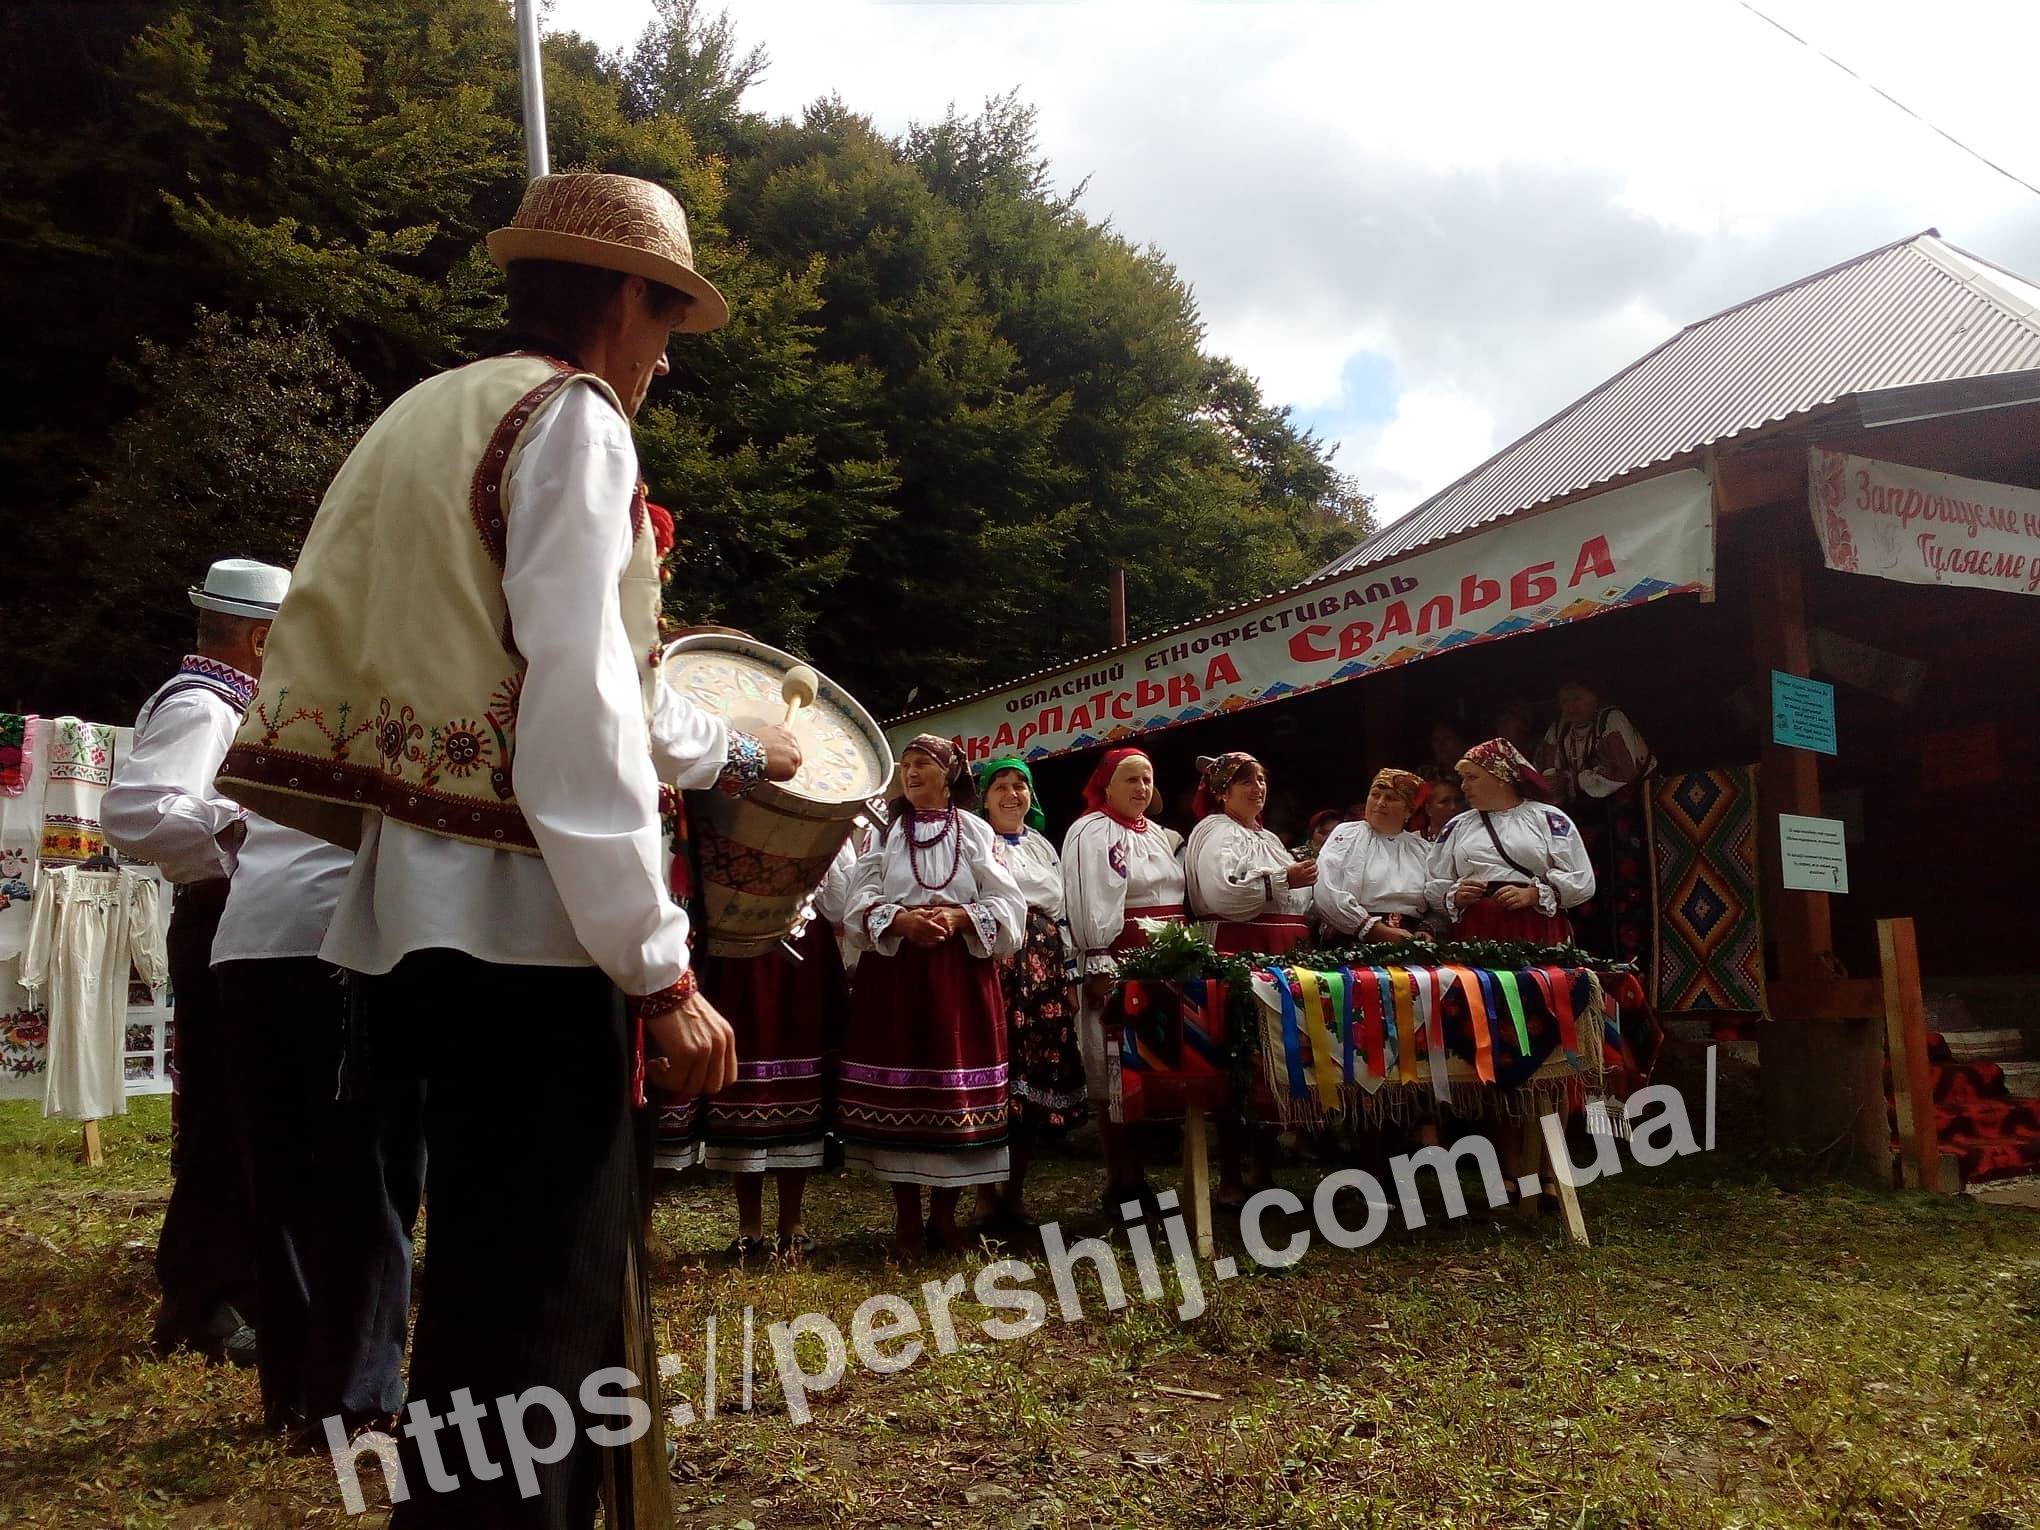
(223, 1337)
(794, 1246)
(744, 1246)
(233, 1334)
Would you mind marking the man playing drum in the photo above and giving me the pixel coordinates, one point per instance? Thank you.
(460, 683)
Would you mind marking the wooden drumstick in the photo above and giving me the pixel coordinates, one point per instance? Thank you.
(797, 690)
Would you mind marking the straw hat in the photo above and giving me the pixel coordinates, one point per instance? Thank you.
(242, 587)
(619, 223)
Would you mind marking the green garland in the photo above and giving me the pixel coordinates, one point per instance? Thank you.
(1180, 951)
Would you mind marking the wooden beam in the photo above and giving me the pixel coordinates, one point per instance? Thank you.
(1824, 999)
(90, 1152)
(1749, 479)
(1905, 1034)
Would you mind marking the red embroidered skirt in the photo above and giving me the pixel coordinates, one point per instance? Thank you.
(1271, 933)
(924, 1056)
(788, 1017)
(1488, 920)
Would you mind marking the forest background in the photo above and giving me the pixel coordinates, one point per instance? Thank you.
(948, 403)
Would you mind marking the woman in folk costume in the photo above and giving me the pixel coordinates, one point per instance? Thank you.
(1511, 865)
(787, 1011)
(922, 1092)
(1372, 875)
(1596, 762)
(1250, 891)
(1253, 896)
(1119, 867)
(1039, 985)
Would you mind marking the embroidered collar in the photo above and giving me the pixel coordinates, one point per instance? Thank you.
(237, 687)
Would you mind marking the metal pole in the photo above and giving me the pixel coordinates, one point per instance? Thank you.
(532, 72)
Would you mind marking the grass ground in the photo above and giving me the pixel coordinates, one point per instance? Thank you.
(1731, 1351)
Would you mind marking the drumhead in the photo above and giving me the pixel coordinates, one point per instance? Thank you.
(844, 756)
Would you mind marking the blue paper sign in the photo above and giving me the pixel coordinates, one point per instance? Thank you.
(1802, 713)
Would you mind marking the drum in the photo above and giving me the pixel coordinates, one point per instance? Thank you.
(759, 857)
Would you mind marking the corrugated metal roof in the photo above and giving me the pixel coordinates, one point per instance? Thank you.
(1917, 311)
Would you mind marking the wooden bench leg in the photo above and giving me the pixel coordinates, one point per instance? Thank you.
(91, 1153)
(1540, 1153)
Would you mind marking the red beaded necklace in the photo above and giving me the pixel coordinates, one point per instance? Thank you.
(950, 828)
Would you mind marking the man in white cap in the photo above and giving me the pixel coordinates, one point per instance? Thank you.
(162, 807)
(460, 685)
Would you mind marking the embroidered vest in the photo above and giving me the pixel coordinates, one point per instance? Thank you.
(391, 679)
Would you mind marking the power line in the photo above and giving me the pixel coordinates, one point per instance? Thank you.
(1981, 159)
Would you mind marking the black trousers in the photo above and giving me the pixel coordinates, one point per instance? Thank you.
(332, 1211)
(203, 1256)
(524, 1075)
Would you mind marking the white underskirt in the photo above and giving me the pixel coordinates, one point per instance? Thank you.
(941, 1171)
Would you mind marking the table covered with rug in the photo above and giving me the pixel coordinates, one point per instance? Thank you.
(1362, 1034)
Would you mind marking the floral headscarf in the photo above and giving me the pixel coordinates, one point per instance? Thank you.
(991, 770)
(1405, 784)
(947, 754)
(1507, 764)
(1219, 772)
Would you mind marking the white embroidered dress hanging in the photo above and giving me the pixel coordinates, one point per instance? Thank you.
(88, 928)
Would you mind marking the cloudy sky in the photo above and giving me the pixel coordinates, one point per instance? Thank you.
(1428, 226)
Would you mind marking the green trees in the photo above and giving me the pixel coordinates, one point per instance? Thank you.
(948, 402)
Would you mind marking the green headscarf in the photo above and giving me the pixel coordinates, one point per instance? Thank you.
(1037, 819)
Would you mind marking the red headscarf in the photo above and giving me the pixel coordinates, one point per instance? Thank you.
(1101, 777)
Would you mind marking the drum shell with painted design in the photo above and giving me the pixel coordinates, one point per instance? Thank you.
(758, 858)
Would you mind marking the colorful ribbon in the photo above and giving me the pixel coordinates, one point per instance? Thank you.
(1349, 1032)
(1367, 991)
(1514, 996)
(1483, 1029)
(1292, 1037)
(1402, 992)
(1428, 996)
(1324, 1055)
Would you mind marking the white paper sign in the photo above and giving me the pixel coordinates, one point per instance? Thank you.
(1813, 853)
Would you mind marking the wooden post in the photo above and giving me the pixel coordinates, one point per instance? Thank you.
(1905, 1033)
(1119, 608)
(1790, 779)
(1197, 1179)
(90, 1153)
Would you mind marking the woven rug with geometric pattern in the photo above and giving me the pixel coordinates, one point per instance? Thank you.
(1708, 954)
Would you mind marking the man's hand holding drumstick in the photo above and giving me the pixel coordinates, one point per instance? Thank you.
(782, 749)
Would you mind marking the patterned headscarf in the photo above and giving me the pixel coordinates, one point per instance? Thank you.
(947, 754)
(1219, 772)
(1506, 763)
(1101, 778)
(1406, 784)
(1036, 819)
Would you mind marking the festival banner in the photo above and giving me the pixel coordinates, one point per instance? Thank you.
(1618, 549)
(1917, 527)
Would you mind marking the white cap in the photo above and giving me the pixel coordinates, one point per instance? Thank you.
(242, 587)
